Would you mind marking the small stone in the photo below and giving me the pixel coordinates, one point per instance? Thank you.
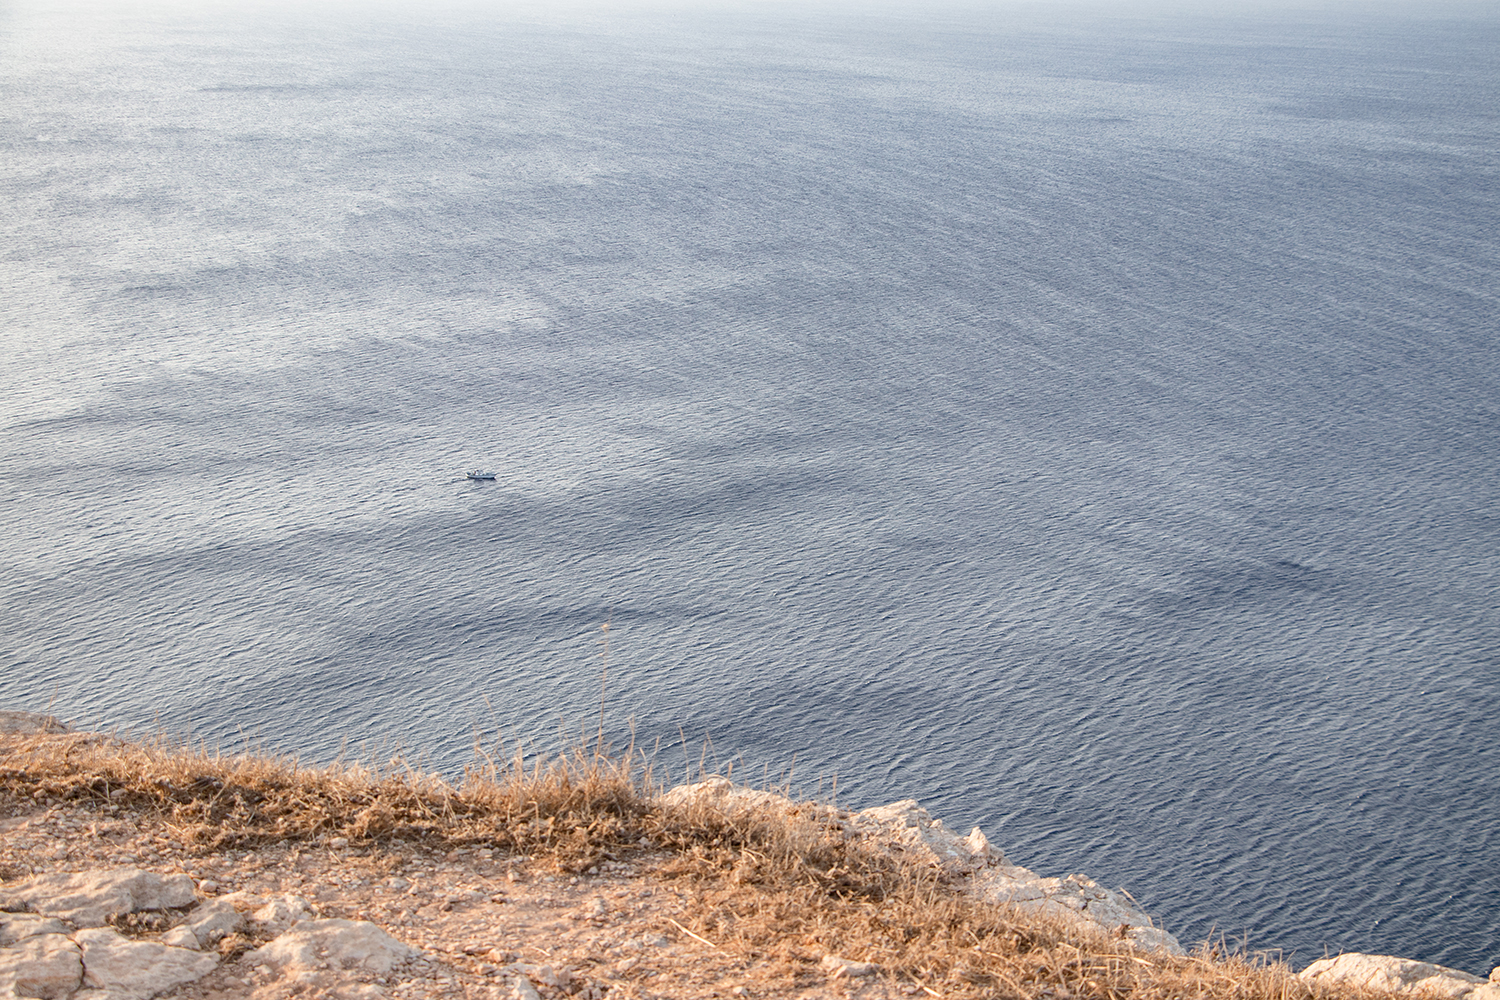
(214, 920)
(282, 912)
(338, 843)
(544, 975)
(208, 887)
(181, 936)
(839, 968)
(340, 944)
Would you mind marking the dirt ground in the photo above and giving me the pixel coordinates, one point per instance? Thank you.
(479, 917)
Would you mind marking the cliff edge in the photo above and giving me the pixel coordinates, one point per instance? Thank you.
(133, 869)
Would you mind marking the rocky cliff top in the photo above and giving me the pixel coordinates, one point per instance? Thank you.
(133, 871)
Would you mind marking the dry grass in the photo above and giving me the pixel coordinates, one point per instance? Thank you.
(778, 886)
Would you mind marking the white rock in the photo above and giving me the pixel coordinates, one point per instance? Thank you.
(88, 899)
(282, 912)
(521, 989)
(337, 944)
(1396, 975)
(839, 968)
(906, 829)
(906, 813)
(1155, 939)
(181, 936)
(979, 846)
(1076, 900)
(544, 974)
(138, 968)
(909, 828)
(213, 920)
(724, 795)
(20, 926)
(41, 965)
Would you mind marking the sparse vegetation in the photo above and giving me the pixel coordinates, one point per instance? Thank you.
(781, 886)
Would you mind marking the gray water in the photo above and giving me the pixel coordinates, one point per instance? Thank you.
(1083, 420)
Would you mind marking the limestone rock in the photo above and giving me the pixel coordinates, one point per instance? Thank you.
(906, 829)
(840, 968)
(725, 795)
(1077, 900)
(282, 912)
(333, 944)
(979, 846)
(213, 920)
(42, 965)
(181, 936)
(20, 926)
(30, 722)
(1396, 975)
(138, 968)
(89, 899)
(521, 989)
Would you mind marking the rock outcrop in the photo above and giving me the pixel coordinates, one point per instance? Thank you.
(906, 829)
(58, 937)
(316, 945)
(30, 722)
(89, 899)
(1403, 975)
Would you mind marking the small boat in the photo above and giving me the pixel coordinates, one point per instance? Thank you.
(478, 476)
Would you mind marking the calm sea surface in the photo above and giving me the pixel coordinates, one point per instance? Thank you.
(1086, 421)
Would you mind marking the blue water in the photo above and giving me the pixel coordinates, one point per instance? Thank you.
(1085, 420)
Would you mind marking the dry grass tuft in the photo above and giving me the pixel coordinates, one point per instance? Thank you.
(780, 885)
(574, 809)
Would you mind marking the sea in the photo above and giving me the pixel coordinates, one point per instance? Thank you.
(1081, 418)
